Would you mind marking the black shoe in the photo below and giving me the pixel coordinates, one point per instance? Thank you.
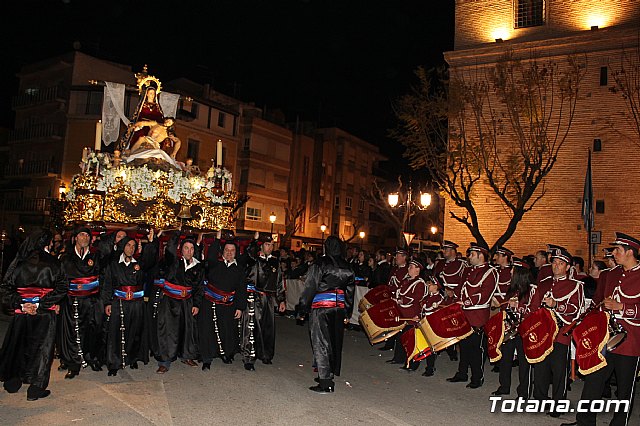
(392, 361)
(267, 361)
(496, 368)
(71, 374)
(429, 372)
(320, 389)
(516, 363)
(316, 379)
(134, 365)
(206, 366)
(457, 378)
(226, 359)
(499, 392)
(112, 373)
(569, 424)
(37, 394)
(249, 367)
(12, 385)
(474, 385)
(96, 366)
(62, 367)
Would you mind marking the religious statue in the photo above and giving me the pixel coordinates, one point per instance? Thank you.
(161, 137)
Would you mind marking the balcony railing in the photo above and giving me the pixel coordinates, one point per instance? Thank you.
(30, 168)
(35, 205)
(37, 131)
(54, 93)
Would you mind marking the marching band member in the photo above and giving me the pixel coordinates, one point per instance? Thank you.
(398, 273)
(519, 297)
(409, 296)
(33, 285)
(600, 281)
(82, 313)
(622, 299)
(503, 263)
(123, 298)
(327, 299)
(479, 285)
(429, 304)
(449, 273)
(225, 297)
(182, 289)
(565, 297)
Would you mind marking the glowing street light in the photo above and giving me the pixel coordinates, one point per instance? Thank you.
(323, 228)
(362, 234)
(272, 219)
(434, 230)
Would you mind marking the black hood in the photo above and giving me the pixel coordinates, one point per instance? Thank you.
(35, 243)
(333, 246)
(123, 242)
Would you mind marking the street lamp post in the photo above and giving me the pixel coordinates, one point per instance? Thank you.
(272, 219)
(362, 234)
(323, 228)
(422, 204)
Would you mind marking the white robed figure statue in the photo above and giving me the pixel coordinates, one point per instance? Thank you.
(160, 143)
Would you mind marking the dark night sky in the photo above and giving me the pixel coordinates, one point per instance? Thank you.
(340, 62)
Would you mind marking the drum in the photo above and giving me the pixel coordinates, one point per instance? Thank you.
(381, 321)
(445, 327)
(415, 345)
(591, 337)
(617, 334)
(374, 296)
(538, 332)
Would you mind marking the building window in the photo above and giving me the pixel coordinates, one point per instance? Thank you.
(604, 76)
(336, 205)
(193, 149)
(94, 103)
(361, 205)
(348, 201)
(600, 206)
(247, 144)
(221, 118)
(529, 13)
(597, 145)
(253, 214)
(194, 109)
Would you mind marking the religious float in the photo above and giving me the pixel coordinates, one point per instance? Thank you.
(140, 184)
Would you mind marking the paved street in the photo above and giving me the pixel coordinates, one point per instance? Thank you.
(369, 392)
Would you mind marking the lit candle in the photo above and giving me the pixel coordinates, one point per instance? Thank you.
(98, 143)
(84, 154)
(219, 156)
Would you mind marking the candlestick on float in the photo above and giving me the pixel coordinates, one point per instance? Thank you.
(98, 142)
(219, 154)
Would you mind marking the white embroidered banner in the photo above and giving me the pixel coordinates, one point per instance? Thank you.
(169, 103)
(112, 112)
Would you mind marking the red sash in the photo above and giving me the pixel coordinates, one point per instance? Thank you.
(176, 291)
(32, 295)
(128, 292)
(591, 336)
(79, 283)
(217, 296)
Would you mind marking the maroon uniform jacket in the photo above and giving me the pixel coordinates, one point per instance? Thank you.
(545, 271)
(449, 274)
(569, 297)
(479, 284)
(409, 296)
(600, 283)
(504, 282)
(624, 287)
(430, 303)
(398, 273)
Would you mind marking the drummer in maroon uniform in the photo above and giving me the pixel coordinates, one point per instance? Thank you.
(622, 300)
(409, 296)
(449, 274)
(480, 282)
(429, 304)
(565, 297)
(398, 273)
(503, 264)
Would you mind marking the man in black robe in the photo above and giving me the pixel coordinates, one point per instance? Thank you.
(122, 295)
(182, 296)
(328, 300)
(33, 285)
(81, 313)
(225, 297)
(265, 289)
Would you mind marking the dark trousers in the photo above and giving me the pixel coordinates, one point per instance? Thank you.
(473, 354)
(626, 369)
(524, 368)
(552, 371)
(399, 353)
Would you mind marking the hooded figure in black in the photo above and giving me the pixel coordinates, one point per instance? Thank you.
(123, 298)
(327, 299)
(34, 284)
(182, 296)
(80, 330)
(265, 290)
(225, 297)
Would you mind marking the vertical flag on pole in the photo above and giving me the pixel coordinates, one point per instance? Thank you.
(587, 205)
